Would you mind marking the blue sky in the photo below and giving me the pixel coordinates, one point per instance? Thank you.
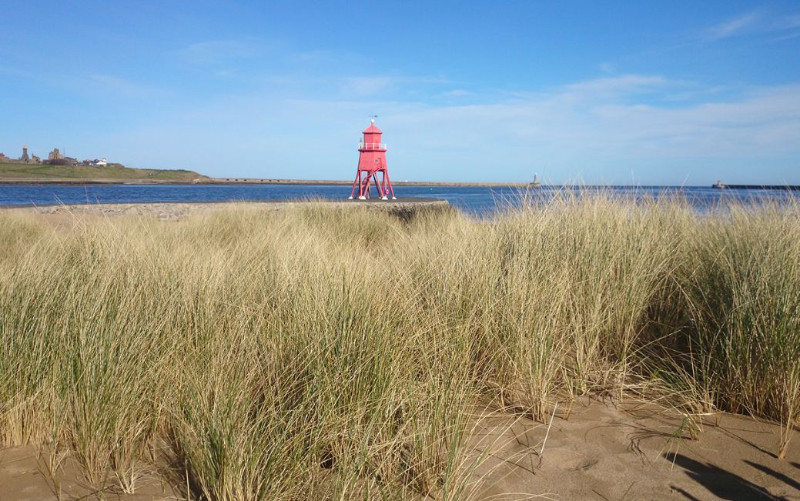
(624, 92)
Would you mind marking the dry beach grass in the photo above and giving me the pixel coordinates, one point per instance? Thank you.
(324, 352)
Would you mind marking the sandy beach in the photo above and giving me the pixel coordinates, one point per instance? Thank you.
(603, 450)
(612, 450)
(178, 211)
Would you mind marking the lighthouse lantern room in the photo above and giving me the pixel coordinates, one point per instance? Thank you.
(371, 162)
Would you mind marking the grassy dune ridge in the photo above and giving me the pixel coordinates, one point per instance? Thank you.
(341, 353)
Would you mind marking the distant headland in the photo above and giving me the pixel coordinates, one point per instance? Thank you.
(61, 169)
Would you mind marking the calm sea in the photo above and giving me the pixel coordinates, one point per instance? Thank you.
(473, 200)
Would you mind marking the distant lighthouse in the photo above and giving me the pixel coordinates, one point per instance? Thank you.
(371, 161)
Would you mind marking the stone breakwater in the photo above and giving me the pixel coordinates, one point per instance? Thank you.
(405, 209)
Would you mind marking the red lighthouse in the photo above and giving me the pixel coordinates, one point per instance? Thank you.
(371, 161)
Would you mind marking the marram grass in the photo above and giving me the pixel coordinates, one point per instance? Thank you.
(328, 353)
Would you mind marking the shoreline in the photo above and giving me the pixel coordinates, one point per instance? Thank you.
(245, 181)
(403, 207)
(338, 182)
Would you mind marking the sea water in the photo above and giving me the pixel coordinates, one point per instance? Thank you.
(481, 201)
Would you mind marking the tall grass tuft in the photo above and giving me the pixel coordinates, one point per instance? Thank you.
(741, 285)
(316, 352)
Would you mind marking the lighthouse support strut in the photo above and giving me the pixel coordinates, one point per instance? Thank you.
(386, 187)
(357, 181)
(363, 182)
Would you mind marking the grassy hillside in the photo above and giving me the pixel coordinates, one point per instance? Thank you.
(113, 172)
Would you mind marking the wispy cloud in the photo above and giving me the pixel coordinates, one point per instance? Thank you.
(790, 22)
(221, 51)
(601, 129)
(607, 67)
(360, 86)
(15, 72)
(616, 85)
(457, 93)
(785, 25)
(788, 28)
(122, 86)
(735, 27)
(784, 38)
(364, 86)
(322, 56)
(604, 138)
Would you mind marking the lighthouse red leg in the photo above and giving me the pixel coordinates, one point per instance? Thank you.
(388, 183)
(356, 182)
(382, 184)
(374, 178)
(379, 186)
(365, 187)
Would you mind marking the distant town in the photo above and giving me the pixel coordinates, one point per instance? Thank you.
(55, 157)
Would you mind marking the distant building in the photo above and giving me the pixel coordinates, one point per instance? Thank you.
(55, 155)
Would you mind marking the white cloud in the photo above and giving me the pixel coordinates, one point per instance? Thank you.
(783, 38)
(763, 22)
(364, 86)
(734, 27)
(122, 86)
(607, 67)
(599, 129)
(15, 72)
(220, 51)
(789, 22)
(610, 126)
(614, 86)
(457, 93)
